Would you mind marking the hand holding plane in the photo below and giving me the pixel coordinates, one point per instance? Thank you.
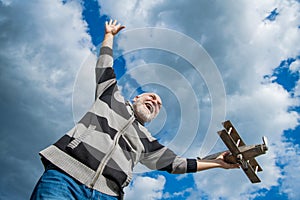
(239, 152)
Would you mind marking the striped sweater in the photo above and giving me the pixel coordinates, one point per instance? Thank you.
(101, 150)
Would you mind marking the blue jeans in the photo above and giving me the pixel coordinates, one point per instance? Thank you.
(56, 185)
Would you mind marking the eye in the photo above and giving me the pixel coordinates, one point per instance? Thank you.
(153, 97)
(159, 104)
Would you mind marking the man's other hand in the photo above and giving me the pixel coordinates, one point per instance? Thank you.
(220, 159)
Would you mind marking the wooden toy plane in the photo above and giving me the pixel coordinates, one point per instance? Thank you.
(240, 152)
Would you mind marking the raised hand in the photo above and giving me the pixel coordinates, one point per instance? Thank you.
(112, 27)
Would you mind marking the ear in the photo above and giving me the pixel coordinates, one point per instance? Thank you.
(135, 98)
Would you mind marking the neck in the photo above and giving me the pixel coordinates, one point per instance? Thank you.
(137, 118)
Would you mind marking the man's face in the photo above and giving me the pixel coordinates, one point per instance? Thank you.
(146, 106)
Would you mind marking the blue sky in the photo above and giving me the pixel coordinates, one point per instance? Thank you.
(248, 73)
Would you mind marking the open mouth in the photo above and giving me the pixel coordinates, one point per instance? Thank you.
(149, 107)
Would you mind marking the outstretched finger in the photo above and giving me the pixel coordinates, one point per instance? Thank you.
(120, 27)
(235, 165)
(225, 153)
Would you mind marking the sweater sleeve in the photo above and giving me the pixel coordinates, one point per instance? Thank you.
(105, 75)
(158, 157)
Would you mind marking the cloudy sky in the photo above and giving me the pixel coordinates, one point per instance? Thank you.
(209, 61)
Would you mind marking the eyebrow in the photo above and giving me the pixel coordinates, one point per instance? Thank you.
(159, 102)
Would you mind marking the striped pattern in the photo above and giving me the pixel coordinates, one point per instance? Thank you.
(104, 146)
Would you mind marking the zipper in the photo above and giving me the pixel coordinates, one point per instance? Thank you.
(110, 152)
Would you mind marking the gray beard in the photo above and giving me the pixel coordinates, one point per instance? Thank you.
(141, 113)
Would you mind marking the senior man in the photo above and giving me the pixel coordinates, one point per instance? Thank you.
(95, 159)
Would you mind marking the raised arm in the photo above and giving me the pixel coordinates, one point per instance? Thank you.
(111, 29)
(105, 75)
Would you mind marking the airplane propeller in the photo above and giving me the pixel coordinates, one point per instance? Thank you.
(265, 141)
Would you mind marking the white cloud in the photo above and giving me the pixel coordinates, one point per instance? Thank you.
(295, 66)
(297, 89)
(180, 194)
(291, 172)
(181, 176)
(137, 12)
(6, 2)
(145, 188)
(45, 42)
(264, 111)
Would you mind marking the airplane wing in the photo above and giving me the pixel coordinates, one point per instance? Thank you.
(233, 133)
(233, 141)
(231, 144)
(251, 173)
(255, 165)
(239, 142)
